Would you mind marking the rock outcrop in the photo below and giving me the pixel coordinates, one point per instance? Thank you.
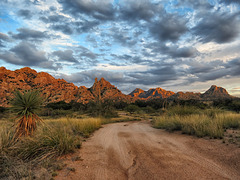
(216, 93)
(103, 90)
(137, 92)
(26, 78)
(212, 94)
(55, 90)
(151, 93)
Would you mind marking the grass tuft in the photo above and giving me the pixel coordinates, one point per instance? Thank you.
(211, 123)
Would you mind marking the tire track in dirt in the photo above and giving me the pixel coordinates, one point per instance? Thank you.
(135, 150)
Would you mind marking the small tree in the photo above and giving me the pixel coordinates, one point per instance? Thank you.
(25, 105)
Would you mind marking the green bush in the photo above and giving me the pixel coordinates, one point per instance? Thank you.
(59, 105)
(102, 109)
(132, 108)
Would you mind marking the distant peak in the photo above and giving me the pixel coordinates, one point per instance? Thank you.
(216, 92)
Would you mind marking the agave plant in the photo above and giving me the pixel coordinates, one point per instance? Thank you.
(26, 105)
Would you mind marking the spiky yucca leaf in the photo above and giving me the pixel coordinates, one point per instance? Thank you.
(26, 105)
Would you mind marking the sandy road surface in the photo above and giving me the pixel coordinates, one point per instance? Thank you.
(135, 150)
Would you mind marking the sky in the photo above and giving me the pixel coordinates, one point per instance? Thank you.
(178, 45)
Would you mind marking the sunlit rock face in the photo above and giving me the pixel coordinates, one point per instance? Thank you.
(52, 89)
(216, 93)
(55, 90)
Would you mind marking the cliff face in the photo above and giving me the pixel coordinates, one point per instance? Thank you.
(59, 90)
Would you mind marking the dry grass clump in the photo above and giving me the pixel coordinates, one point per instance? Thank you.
(54, 138)
(201, 124)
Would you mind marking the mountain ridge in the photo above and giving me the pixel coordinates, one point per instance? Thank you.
(60, 90)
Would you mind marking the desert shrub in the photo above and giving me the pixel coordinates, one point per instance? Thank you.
(120, 105)
(59, 105)
(2, 109)
(26, 105)
(102, 109)
(149, 110)
(132, 108)
(190, 102)
(76, 106)
(141, 103)
(229, 104)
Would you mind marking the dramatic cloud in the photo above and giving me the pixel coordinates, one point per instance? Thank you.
(25, 13)
(99, 9)
(65, 28)
(196, 4)
(84, 52)
(169, 28)
(157, 75)
(173, 50)
(137, 10)
(3, 39)
(90, 75)
(27, 54)
(66, 55)
(29, 34)
(220, 28)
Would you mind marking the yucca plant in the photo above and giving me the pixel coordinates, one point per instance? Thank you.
(26, 105)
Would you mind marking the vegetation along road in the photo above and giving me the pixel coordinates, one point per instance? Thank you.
(135, 150)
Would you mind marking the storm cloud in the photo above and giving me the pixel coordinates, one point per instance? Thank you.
(27, 54)
(220, 28)
(25, 13)
(169, 28)
(29, 34)
(66, 55)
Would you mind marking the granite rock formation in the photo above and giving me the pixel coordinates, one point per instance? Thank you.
(55, 90)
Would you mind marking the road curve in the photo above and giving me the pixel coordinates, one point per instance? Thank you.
(135, 150)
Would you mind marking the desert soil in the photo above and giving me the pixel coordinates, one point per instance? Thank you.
(135, 150)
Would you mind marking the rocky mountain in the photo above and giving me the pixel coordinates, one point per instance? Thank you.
(55, 90)
(151, 93)
(103, 90)
(212, 94)
(216, 93)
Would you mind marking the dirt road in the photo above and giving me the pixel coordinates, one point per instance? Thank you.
(135, 150)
